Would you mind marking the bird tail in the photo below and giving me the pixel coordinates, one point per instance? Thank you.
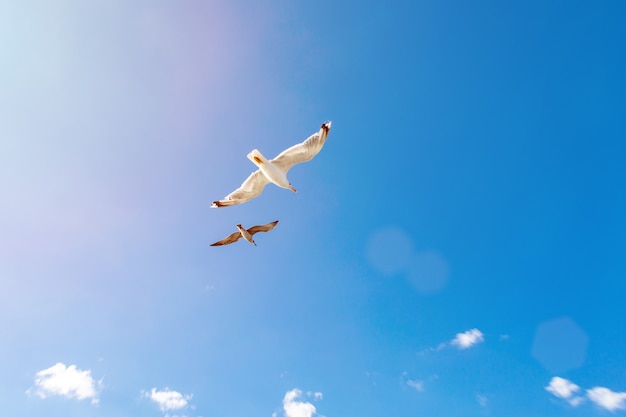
(257, 157)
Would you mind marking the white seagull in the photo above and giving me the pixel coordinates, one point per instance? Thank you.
(246, 234)
(275, 170)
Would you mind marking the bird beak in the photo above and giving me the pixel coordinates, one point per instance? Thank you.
(292, 189)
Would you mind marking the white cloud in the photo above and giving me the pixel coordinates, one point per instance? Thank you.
(601, 396)
(481, 400)
(576, 401)
(566, 389)
(467, 339)
(66, 381)
(461, 341)
(562, 387)
(417, 385)
(608, 399)
(168, 400)
(295, 408)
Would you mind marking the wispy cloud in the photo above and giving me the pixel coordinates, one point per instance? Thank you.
(315, 395)
(418, 385)
(608, 399)
(565, 389)
(481, 400)
(293, 407)
(168, 400)
(437, 348)
(66, 381)
(467, 339)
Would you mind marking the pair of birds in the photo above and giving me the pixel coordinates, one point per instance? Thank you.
(274, 171)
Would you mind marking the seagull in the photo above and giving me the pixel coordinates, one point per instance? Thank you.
(246, 234)
(275, 170)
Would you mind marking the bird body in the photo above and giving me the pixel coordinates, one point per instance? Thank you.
(275, 170)
(272, 172)
(246, 234)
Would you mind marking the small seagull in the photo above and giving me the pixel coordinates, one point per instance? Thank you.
(275, 170)
(246, 234)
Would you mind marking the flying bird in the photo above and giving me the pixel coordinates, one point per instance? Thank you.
(246, 234)
(275, 170)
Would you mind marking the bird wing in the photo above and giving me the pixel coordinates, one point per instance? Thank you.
(262, 228)
(232, 238)
(250, 188)
(304, 151)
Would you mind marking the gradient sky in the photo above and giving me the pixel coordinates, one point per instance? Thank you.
(457, 248)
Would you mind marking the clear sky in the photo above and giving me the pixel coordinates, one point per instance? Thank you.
(457, 248)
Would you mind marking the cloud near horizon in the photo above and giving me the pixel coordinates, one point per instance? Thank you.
(167, 399)
(66, 381)
(295, 408)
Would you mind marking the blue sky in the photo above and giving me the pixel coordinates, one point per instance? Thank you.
(456, 249)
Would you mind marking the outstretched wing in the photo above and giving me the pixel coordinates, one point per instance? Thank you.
(304, 151)
(262, 228)
(232, 238)
(251, 187)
